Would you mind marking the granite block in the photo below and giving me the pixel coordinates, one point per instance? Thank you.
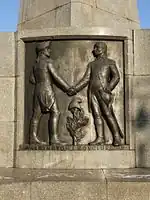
(28, 35)
(143, 146)
(7, 58)
(141, 96)
(123, 8)
(75, 159)
(46, 20)
(101, 17)
(20, 98)
(7, 91)
(130, 135)
(112, 184)
(141, 52)
(68, 190)
(129, 57)
(128, 191)
(64, 11)
(81, 14)
(127, 175)
(6, 144)
(15, 191)
(141, 119)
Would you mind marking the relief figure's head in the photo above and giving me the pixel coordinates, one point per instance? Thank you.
(43, 48)
(99, 49)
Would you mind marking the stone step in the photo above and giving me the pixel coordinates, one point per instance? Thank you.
(44, 184)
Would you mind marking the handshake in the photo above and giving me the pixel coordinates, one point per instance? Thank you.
(71, 91)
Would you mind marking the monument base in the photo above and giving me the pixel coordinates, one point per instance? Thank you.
(89, 159)
(29, 184)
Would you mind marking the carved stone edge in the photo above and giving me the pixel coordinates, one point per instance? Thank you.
(72, 148)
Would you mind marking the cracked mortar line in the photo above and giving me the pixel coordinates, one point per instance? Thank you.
(106, 182)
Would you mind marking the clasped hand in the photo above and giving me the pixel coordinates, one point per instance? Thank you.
(72, 91)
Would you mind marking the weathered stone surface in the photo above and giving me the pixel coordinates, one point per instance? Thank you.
(32, 9)
(55, 184)
(101, 17)
(128, 191)
(141, 119)
(131, 184)
(15, 191)
(62, 17)
(130, 135)
(19, 133)
(141, 103)
(68, 190)
(7, 91)
(28, 35)
(29, 184)
(6, 144)
(87, 2)
(122, 8)
(41, 22)
(79, 13)
(141, 97)
(7, 58)
(141, 52)
(128, 57)
(143, 147)
(75, 159)
(51, 19)
(10, 175)
(20, 93)
(127, 175)
(7, 88)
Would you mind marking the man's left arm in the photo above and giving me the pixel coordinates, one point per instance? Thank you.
(115, 77)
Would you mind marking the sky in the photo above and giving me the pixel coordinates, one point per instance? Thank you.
(9, 10)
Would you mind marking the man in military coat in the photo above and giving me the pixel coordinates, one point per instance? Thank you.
(43, 76)
(102, 77)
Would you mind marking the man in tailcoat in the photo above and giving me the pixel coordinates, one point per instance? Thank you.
(102, 77)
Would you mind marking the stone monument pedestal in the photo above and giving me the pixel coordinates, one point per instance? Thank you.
(82, 156)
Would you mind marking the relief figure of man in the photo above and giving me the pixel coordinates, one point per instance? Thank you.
(102, 77)
(43, 76)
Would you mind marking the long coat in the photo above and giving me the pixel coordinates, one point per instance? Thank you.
(101, 75)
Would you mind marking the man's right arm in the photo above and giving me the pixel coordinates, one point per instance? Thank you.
(57, 78)
(84, 80)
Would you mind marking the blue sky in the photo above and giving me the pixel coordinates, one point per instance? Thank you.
(9, 14)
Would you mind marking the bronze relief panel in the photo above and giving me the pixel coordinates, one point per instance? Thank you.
(74, 93)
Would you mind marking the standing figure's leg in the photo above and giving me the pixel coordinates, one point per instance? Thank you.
(120, 131)
(111, 122)
(34, 123)
(53, 124)
(98, 121)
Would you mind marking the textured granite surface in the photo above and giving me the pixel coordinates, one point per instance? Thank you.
(29, 184)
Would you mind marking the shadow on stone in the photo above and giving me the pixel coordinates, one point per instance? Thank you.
(142, 118)
(141, 151)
